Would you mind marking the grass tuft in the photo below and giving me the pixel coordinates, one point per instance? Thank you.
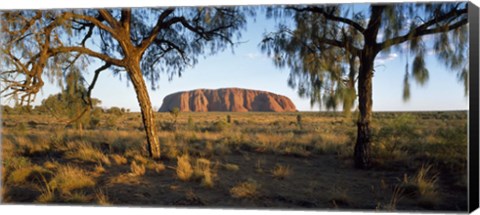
(245, 189)
(88, 153)
(69, 178)
(118, 159)
(102, 197)
(281, 171)
(137, 169)
(184, 168)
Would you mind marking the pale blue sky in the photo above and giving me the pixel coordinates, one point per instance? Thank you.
(247, 67)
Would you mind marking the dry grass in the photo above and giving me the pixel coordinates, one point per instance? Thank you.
(47, 192)
(231, 167)
(140, 159)
(27, 146)
(245, 189)
(69, 178)
(27, 174)
(184, 168)
(397, 195)
(88, 153)
(253, 142)
(423, 187)
(340, 197)
(203, 172)
(77, 197)
(99, 169)
(102, 197)
(281, 171)
(137, 169)
(118, 159)
(51, 165)
(157, 167)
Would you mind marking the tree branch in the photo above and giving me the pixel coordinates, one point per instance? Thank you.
(92, 20)
(108, 17)
(125, 20)
(88, 99)
(423, 30)
(158, 27)
(329, 16)
(89, 52)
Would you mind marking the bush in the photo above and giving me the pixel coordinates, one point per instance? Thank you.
(115, 111)
(69, 178)
(281, 172)
(219, 126)
(137, 169)
(184, 168)
(244, 189)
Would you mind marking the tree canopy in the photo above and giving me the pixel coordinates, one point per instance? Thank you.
(136, 42)
(321, 44)
(47, 44)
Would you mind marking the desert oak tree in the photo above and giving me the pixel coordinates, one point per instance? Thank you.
(136, 43)
(331, 48)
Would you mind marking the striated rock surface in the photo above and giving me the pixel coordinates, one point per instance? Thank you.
(227, 99)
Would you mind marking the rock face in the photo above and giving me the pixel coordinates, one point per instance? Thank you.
(227, 99)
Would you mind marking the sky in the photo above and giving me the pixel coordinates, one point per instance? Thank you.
(247, 67)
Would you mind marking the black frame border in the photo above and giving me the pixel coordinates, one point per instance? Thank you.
(473, 161)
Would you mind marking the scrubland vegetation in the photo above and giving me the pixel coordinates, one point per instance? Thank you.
(280, 160)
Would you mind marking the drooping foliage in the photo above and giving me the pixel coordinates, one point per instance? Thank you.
(321, 44)
(47, 44)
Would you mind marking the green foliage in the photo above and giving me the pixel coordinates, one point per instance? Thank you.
(116, 111)
(299, 121)
(218, 126)
(322, 45)
(400, 130)
(420, 73)
(190, 122)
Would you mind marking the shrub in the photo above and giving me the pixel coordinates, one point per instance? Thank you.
(94, 122)
(157, 167)
(423, 187)
(70, 178)
(281, 172)
(203, 172)
(231, 167)
(102, 197)
(140, 159)
(219, 126)
(88, 153)
(190, 123)
(26, 174)
(115, 111)
(244, 189)
(77, 197)
(118, 159)
(184, 169)
(137, 169)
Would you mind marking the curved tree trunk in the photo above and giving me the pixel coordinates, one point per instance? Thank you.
(362, 146)
(143, 98)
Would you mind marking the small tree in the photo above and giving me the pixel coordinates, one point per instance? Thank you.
(70, 102)
(174, 112)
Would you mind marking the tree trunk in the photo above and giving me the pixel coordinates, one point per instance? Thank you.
(362, 146)
(153, 146)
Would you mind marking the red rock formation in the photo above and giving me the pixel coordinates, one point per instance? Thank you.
(227, 99)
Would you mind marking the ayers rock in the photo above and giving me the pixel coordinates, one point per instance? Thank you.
(227, 99)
